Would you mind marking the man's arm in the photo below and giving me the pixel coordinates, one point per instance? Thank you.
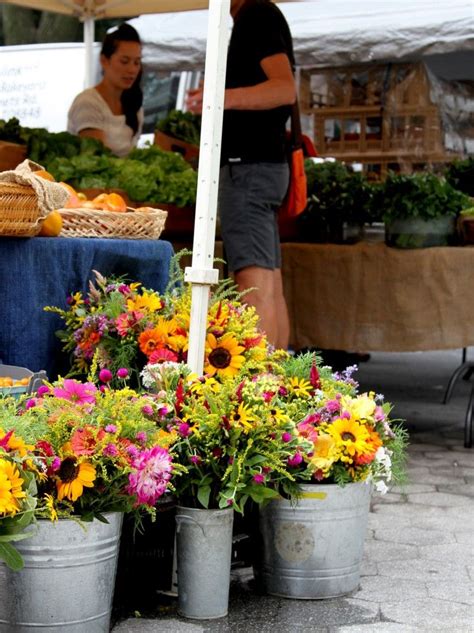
(279, 89)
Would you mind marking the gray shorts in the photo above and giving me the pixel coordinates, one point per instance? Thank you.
(250, 195)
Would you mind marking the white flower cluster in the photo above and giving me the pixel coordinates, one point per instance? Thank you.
(383, 473)
(157, 375)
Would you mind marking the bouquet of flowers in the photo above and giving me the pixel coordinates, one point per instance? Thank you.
(17, 495)
(234, 444)
(344, 436)
(93, 451)
(125, 326)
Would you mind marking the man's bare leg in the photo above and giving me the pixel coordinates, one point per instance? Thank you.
(268, 300)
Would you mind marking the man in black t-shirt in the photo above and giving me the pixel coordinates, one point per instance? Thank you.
(260, 89)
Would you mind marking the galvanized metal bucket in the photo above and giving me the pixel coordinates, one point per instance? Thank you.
(67, 583)
(204, 546)
(314, 549)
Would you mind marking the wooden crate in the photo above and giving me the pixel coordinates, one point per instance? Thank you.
(189, 152)
(376, 115)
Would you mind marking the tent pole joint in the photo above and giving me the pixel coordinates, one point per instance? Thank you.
(203, 276)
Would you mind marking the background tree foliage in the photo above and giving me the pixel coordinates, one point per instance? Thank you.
(28, 26)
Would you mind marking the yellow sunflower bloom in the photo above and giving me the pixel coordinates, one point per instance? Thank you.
(49, 504)
(73, 477)
(350, 437)
(223, 356)
(11, 488)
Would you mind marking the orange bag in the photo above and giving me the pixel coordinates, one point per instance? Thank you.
(299, 146)
(296, 196)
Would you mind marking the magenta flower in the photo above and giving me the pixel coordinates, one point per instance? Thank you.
(259, 478)
(286, 437)
(110, 450)
(133, 451)
(105, 375)
(150, 478)
(295, 460)
(30, 403)
(111, 428)
(183, 429)
(163, 411)
(195, 459)
(44, 389)
(141, 437)
(75, 391)
(147, 409)
(122, 372)
(55, 464)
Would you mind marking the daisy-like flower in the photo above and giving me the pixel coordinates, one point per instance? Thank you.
(147, 302)
(84, 441)
(49, 505)
(157, 337)
(300, 387)
(242, 417)
(11, 488)
(128, 322)
(73, 477)
(162, 355)
(324, 453)
(152, 472)
(78, 392)
(223, 356)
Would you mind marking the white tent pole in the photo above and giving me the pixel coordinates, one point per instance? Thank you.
(202, 273)
(89, 49)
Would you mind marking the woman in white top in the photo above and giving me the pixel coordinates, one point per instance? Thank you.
(112, 111)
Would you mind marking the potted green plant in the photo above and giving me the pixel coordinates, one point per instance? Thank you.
(338, 198)
(419, 210)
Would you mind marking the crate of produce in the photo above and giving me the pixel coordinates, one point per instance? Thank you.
(188, 151)
(17, 381)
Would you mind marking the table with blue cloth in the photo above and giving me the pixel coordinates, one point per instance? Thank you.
(43, 271)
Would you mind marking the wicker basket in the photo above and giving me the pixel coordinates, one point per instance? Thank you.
(136, 225)
(20, 215)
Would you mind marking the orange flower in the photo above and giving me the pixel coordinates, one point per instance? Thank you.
(158, 337)
(84, 441)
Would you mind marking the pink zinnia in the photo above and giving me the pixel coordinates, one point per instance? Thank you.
(75, 391)
(150, 478)
(126, 322)
(162, 355)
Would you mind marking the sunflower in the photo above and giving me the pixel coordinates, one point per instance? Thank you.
(223, 356)
(11, 488)
(350, 436)
(73, 477)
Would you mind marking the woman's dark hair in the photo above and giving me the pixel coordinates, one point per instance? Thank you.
(132, 98)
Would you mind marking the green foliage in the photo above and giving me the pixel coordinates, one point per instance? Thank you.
(460, 174)
(335, 195)
(419, 195)
(185, 126)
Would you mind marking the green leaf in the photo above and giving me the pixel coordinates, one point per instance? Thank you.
(203, 495)
(11, 556)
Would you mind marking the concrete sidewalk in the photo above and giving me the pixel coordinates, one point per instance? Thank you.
(418, 569)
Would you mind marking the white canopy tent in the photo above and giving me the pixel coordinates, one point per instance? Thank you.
(326, 32)
(201, 274)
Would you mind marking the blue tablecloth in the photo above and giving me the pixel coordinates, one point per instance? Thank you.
(43, 271)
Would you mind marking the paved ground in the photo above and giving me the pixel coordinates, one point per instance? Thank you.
(418, 569)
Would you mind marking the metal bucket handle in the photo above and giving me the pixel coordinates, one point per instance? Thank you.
(183, 518)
